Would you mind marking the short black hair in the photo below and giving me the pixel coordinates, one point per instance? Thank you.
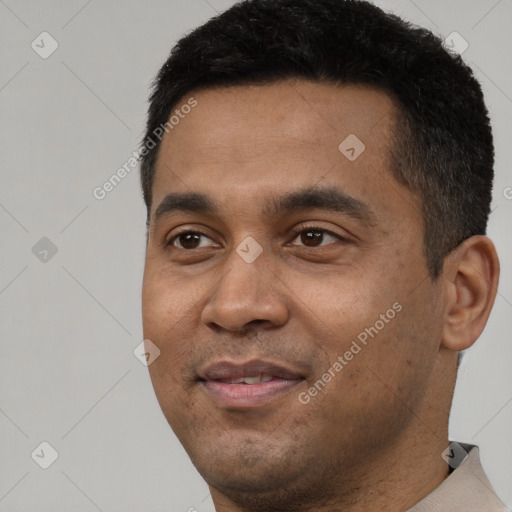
(442, 147)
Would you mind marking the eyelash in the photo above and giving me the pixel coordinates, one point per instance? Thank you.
(324, 231)
(295, 234)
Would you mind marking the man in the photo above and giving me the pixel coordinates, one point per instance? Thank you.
(318, 178)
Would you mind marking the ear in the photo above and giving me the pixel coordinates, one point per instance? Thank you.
(470, 274)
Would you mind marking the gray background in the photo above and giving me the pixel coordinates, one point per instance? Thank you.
(69, 324)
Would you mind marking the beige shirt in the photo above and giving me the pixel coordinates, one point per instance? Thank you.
(467, 489)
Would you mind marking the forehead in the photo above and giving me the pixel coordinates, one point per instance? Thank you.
(261, 140)
(289, 112)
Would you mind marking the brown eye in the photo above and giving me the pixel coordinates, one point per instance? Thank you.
(190, 240)
(315, 238)
(311, 238)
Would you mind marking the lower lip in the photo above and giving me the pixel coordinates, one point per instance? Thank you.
(248, 395)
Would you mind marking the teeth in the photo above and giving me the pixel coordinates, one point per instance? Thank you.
(256, 379)
(252, 380)
(236, 381)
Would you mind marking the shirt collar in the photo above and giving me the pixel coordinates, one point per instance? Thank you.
(466, 489)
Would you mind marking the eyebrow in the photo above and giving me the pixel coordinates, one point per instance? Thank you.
(191, 202)
(312, 198)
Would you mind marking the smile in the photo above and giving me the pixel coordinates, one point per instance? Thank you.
(248, 385)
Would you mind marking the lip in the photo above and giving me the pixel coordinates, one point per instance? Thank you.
(245, 396)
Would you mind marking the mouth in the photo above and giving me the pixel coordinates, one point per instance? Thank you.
(247, 385)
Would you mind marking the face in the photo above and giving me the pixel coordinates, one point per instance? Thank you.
(286, 287)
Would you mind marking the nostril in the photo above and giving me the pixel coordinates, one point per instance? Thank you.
(252, 328)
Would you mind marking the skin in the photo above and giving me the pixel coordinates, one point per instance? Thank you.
(373, 437)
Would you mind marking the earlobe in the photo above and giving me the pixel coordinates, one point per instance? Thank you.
(471, 274)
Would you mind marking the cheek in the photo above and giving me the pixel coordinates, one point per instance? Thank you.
(168, 302)
(341, 305)
(382, 331)
(399, 355)
(169, 320)
(379, 381)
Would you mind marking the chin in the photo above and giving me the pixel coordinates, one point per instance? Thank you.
(270, 483)
(248, 464)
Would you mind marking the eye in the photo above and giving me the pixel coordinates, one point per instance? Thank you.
(315, 237)
(189, 240)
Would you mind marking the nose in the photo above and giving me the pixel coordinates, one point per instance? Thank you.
(246, 295)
